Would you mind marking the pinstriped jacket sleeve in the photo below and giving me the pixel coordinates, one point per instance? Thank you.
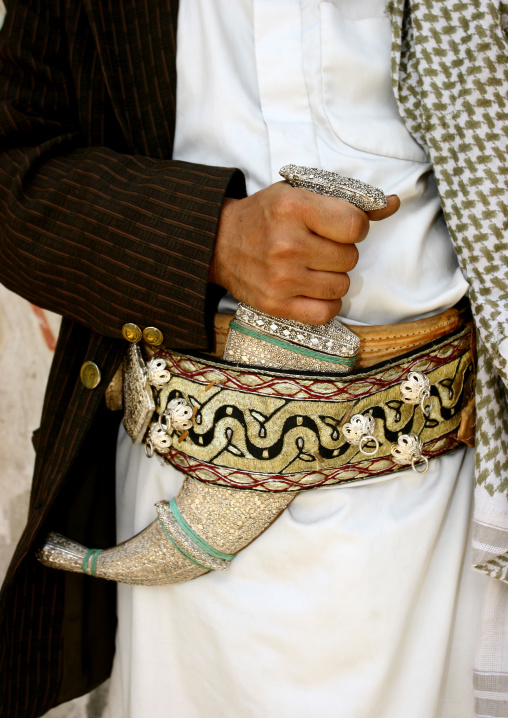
(97, 235)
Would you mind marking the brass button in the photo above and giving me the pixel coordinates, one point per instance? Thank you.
(90, 375)
(132, 333)
(152, 335)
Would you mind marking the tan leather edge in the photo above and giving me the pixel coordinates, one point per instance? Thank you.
(439, 323)
(221, 326)
(466, 430)
(393, 340)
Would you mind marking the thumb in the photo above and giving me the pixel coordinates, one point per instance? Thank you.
(392, 205)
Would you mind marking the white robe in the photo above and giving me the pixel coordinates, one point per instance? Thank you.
(358, 601)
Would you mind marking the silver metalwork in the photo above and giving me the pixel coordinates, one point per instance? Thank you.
(177, 416)
(159, 439)
(138, 401)
(157, 373)
(331, 338)
(360, 431)
(361, 194)
(149, 448)
(421, 461)
(408, 452)
(163, 553)
(326, 343)
(416, 390)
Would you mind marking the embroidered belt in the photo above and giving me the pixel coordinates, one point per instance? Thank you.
(279, 431)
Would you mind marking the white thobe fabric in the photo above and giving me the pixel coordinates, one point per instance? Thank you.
(358, 601)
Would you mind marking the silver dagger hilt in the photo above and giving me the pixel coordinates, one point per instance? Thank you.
(331, 184)
(260, 340)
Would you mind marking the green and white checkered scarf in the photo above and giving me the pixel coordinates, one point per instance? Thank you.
(450, 78)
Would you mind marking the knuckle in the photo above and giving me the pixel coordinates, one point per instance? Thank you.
(280, 278)
(281, 246)
(286, 204)
(337, 288)
(330, 291)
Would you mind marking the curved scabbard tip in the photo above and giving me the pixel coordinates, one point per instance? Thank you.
(61, 552)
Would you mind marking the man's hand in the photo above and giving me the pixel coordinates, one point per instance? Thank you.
(287, 251)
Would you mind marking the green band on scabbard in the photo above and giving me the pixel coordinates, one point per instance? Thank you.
(348, 361)
(196, 537)
(84, 565)
(182, 551)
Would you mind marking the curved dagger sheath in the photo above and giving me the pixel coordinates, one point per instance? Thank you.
(169, 550)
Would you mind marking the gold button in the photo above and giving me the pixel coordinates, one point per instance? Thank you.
(90, 375)
(152, 335)
(132, 333)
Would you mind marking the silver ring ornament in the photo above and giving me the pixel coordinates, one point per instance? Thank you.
(164, 422)
(149, 448)
(366, 439)
(425, 407)
(177, 416)
(359, 431)
(408, 452)
(419, 462)
(416, 390)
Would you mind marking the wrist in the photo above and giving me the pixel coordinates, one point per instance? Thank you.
(220, 252)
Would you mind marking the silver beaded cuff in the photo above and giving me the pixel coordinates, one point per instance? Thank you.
(257, 339)
(331, 338)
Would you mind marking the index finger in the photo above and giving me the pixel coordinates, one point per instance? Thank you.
(333, 218)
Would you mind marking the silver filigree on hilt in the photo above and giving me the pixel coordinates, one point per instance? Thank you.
(362, 195)
(416, 390)
(177, 416)
(360, 431)
(157, 374)
(408, 452)
(157, 440)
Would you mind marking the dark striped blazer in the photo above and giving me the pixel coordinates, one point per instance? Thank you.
(100, 225)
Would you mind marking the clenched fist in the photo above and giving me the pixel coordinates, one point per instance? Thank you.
(287, 251)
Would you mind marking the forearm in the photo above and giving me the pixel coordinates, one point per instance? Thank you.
(98, 235)
(106, 238)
